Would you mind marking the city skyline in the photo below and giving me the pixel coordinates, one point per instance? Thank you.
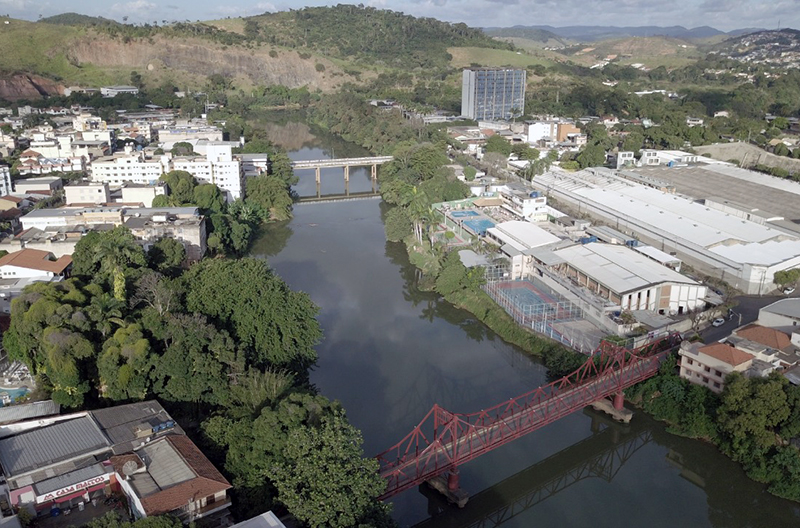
(724, 15)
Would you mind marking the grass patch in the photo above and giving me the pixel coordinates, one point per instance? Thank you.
(465, 56)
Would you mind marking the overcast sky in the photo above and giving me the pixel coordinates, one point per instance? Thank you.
(721, 14)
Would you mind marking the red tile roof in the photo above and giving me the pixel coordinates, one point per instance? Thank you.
(727, 354)
(766, 336)
(37, 260)
(9, 198)
(208, 482)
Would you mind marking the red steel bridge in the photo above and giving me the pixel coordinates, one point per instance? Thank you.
(444, 440)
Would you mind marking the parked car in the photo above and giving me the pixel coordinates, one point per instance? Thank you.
(719, 321)
(788, 290)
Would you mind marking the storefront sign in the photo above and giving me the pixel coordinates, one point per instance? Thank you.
(69, 490)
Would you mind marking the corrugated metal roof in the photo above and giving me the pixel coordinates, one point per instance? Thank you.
(119, 423)
(67, 479)
(48, 445)
(23, 411)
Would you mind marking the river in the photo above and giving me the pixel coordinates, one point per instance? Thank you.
(391, 351)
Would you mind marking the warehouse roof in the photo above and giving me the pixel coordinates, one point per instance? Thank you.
(787, 307)
(123, 423)
(49, 445)
(618, 268)
(23, 411)
(522, 235)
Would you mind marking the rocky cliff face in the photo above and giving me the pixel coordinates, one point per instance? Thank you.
(21, 86)
(201, 57)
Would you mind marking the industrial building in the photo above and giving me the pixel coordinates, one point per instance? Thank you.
(516, 239)
(742, 252)
(629, 279)
(489, 94)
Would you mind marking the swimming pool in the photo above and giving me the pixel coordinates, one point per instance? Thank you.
(464, 214)
(479, 226)
(13, 394)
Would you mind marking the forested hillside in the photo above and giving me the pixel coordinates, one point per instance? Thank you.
(368, 35)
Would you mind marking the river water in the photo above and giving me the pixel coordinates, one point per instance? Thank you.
(391, 351)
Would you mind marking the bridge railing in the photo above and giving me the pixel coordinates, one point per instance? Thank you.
(443, 439)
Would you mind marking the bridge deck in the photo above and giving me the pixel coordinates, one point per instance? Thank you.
(341, 162)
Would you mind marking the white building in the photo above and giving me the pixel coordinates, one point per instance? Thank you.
(5, 180)
(86, 193)
(129, 167)
(744, 253)
(33, 264)
(113, 91)
(132, 193)
(46, 185)
(630, 280)
(217, 167)
(708, 365)
(783, 315)
(524, 204)
(516, 239)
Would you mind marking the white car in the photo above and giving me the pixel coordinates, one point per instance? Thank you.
(788, 290)
(719, 321)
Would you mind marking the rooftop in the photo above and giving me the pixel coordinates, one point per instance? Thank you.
(176, 472)
(786, 307)
(618, 267)
(726, 353)
(765, 336)
(49, 445)
(24, 411)
(522, 235)
(36, 260)
(122, 424)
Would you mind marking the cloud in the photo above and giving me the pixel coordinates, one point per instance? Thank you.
(134, 7)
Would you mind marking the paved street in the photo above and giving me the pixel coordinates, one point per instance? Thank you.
(748, 307)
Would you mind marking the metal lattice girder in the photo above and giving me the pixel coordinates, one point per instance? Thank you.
(443, 440)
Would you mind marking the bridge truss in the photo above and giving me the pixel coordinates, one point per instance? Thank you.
(443, 440)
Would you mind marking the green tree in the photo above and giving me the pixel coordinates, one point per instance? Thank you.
(470, 173)
(107, 256)
(124, 365)
(270, 192)
(591, 156)
(166, 256)
(209, 198)
(323, 480)
(181, 185)
(397, 224)
(498, 144)
(276, 325)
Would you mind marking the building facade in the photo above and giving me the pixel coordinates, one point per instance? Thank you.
(492, 93)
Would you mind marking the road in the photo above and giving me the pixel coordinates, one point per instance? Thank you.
(748, 306)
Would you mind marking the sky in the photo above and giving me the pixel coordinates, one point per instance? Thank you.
(721, 14)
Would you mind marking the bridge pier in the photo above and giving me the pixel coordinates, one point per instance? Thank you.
(347, 173)
(448, 486)
(615, 409)
(374, 173)
(319, 177)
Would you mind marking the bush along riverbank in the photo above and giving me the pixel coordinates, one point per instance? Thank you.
(754, 421)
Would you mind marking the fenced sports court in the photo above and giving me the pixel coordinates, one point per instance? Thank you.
(478, 225)
(535, 305)
(464, 214)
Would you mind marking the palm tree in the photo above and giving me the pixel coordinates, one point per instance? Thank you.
(115, 255)
(105, 310)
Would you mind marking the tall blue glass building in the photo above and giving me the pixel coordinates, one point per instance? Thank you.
(492, 93)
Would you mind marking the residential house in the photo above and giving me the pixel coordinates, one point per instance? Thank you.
(46, 185)
(21, 268)
(707, 365)
(86, 194)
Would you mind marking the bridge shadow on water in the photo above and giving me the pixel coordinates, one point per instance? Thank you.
(601, 455)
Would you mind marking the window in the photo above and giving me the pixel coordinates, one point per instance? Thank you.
(718, 373)
(689, 361)
(705, 379)
(707, 369)
(716, 385)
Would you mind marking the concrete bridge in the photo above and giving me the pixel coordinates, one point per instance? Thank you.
(318, 165)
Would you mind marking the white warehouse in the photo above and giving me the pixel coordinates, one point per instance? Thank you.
(744, 253)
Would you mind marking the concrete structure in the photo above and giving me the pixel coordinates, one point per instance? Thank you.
(135, 449)
(492, 93)
(39, 185)
(254, 164)
(24, 267)
(66, 225)
(265, 520)
(707, 365)
(177, 134)
(5, 180)
(86, 193)
(524, 204)
(113, 91)
(516, 240)
(132, 193)
(782, 315)
(741, 252)
(630, 280)
(217, 167)
(129, 167)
